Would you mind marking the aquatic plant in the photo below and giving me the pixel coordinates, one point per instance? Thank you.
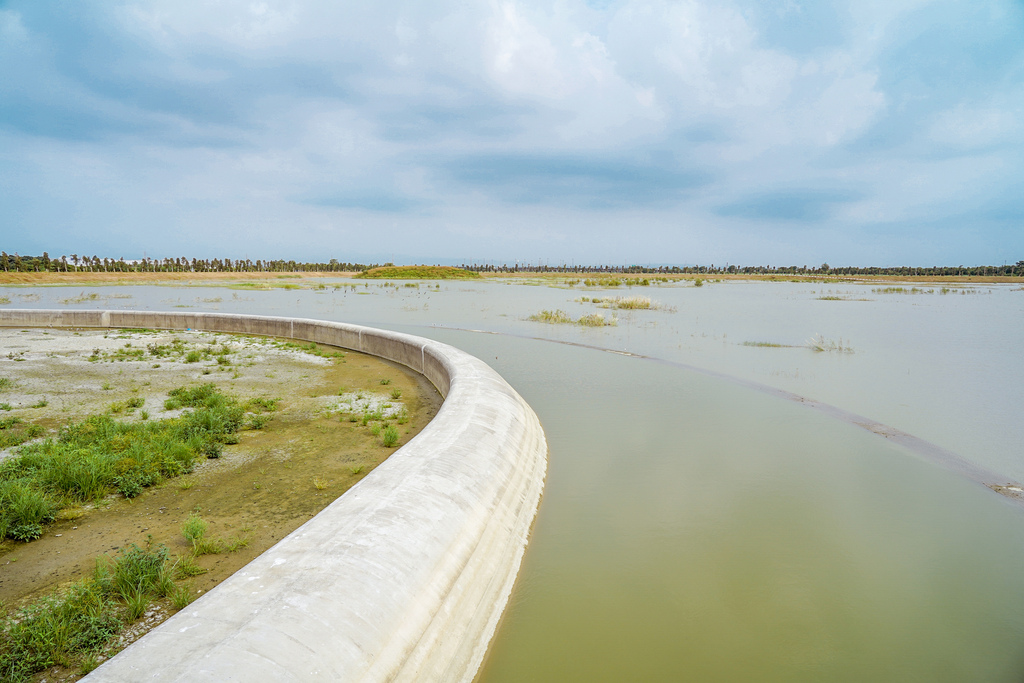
(820, 344)
(557, 316)
(765, 344)
(596, 320)
(561, 317)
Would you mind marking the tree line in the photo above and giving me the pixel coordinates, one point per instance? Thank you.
(94, 264)
(824, 269)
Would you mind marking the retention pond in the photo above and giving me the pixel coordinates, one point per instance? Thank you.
(694, 528)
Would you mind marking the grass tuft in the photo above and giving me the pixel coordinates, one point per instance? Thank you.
(820, 344)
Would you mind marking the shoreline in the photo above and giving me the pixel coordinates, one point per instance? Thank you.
(219, 279)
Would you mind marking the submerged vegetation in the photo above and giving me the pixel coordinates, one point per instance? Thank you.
(419, 273)
(627, 303)
(820, 344)
(559, 316)
(764, 344)
(98, 456)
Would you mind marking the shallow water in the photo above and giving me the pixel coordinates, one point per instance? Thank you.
(695, 529)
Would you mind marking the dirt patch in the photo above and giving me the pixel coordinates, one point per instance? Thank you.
(315, 446)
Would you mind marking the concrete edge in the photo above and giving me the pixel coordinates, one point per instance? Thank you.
(405, 576)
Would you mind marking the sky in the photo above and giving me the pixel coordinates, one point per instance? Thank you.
(750, 132)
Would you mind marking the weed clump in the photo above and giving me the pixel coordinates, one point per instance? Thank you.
(561, 317)
(75, 626)
(820, 344)
(389, 436)
(100, 455)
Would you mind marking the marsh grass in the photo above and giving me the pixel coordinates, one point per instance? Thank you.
(764, 344)
(100, 455)
(596, 320)
(628, 303)
(556, 317)
(559, 316)
(820, 344)
(74, 626)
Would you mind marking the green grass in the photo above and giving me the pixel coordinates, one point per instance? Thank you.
(262, 405)
(194, 530)
(389, 436)
(6, 384)
(71, 627)
(100, 455)
(419, 273)
(6, 406)
(311, 349)
(602, 282)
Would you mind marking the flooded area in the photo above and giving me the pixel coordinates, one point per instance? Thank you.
(698, 525)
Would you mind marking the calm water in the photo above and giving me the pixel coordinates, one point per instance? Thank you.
(695, 529)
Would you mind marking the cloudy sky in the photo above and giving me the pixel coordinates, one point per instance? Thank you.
(862, 132)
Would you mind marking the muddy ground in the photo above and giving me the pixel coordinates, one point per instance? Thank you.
(259, 490)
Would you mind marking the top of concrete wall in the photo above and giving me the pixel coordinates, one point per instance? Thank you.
(402, 578)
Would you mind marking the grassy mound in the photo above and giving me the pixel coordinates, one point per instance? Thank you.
(419, 273)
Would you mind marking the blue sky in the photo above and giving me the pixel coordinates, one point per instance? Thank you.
(783, 132)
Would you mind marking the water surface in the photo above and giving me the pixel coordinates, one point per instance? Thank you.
(695, 529)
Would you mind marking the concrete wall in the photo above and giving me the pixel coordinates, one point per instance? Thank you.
(404, 577)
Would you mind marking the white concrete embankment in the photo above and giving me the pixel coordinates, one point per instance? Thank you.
(404, 577)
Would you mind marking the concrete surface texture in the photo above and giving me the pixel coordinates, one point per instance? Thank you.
(404, 577)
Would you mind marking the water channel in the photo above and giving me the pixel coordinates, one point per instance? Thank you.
(700, 527)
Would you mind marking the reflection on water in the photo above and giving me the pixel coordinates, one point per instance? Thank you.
(695, 530)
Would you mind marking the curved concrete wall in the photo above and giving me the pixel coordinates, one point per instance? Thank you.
(404, 577)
